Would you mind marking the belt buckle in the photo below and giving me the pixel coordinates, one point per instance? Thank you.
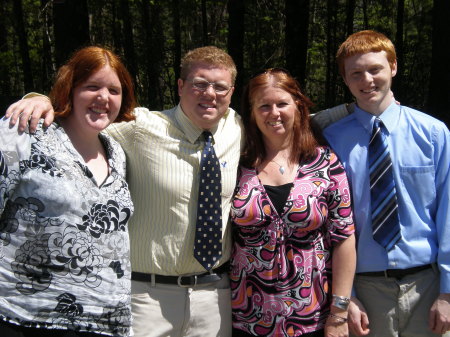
(187, 285)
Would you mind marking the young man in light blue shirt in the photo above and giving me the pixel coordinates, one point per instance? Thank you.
(402, 290)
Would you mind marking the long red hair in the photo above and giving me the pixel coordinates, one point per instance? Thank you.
(304, 143)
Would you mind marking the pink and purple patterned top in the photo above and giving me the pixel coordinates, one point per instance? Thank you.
(281, 263)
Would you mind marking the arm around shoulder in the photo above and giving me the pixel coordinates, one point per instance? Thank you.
(29, 110)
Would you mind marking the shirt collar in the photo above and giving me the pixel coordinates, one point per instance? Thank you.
(111, 155)
(390, 117)
(191, 131)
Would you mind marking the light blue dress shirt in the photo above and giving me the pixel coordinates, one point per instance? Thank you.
(420, 149)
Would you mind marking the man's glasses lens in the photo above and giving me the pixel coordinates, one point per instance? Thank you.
(219, 88)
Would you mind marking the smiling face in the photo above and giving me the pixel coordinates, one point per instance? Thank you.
(96, 102)
(274, 111)
(205, 108)
(369, 78)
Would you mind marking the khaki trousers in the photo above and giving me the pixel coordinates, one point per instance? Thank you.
(399, 308)
(163, 310)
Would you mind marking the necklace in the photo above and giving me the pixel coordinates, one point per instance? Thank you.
(281, 168)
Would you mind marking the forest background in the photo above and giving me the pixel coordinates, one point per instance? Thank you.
(37, 36)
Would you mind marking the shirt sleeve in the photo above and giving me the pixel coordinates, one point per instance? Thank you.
(34, 94)
(123, 133)
(340, 222)
(442, 160)
(13, 148)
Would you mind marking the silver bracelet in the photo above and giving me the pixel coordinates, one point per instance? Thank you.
(340, 302)
(339, 319)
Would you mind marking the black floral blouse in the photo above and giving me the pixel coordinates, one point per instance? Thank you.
(64, 246)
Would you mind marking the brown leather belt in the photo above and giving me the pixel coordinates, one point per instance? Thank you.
(396, 273)
(184, 280)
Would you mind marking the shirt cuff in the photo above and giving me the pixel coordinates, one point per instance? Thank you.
(33, 94)
(445, 281)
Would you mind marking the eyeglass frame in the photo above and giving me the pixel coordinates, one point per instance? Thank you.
(210, 84)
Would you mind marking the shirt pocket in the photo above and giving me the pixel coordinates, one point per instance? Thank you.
(419, 184)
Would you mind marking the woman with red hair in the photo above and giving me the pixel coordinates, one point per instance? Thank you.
(64, 207)
(294, 251)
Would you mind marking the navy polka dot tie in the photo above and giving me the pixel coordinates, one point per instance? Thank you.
(385, 221)
(208, 233)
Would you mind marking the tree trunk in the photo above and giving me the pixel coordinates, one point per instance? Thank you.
(365, 18)
(128, 41)
(350, 10)
(5, 84)
(154, 46)
(71, 28)
(439, 95)
(398, 82)
(204, 24)
(23, 46)
(116, 28)
(296, 38)
(236, 19)
(177, 45)
(48, 68)
(330, 81)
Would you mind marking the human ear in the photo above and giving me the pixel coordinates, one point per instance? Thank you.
(394, 68)
(180, 83)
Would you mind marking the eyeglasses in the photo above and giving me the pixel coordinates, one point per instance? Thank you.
(220, 88)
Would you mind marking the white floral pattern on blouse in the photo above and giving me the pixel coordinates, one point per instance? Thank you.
(64, 245)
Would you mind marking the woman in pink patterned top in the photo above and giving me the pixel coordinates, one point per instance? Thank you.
(294, 253)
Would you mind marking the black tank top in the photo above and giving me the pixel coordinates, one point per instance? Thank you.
(278, 195)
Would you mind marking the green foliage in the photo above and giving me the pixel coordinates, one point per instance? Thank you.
(417, 67)
(156, 44)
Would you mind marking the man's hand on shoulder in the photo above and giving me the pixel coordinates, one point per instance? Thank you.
(439, 318)
(29, 111)
(358, 321)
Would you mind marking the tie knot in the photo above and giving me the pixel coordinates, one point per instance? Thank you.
(377, 128)
(378, 123)
(208, 137)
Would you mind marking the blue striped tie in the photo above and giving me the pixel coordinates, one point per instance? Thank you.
(208, 233)
(385, 221)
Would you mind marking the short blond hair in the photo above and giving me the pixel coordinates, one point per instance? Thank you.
(362, 42)
(209, 55)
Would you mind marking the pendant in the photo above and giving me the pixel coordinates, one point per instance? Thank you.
(282, 169)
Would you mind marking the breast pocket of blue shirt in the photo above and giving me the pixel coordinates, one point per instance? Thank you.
(417, 185)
